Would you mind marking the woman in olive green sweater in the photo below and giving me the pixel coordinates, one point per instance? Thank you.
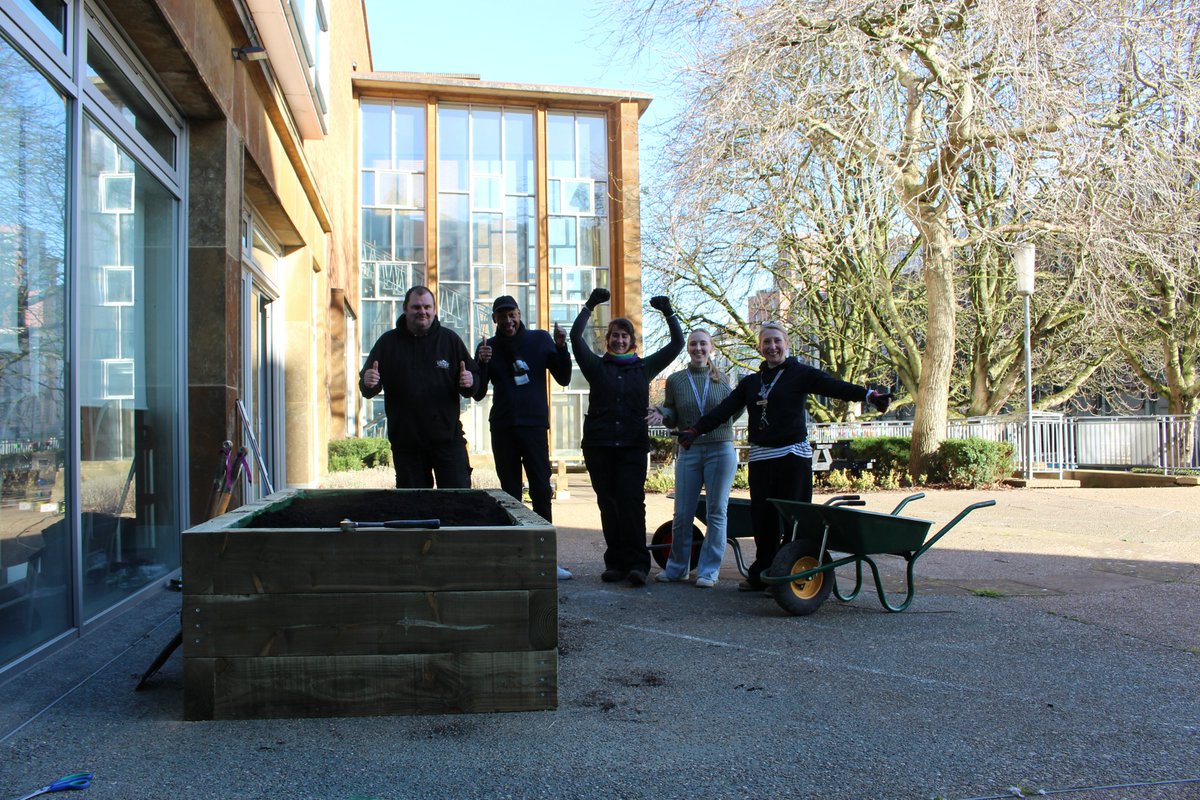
(709, 463)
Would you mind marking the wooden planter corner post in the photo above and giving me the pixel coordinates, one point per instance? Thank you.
(315, 621)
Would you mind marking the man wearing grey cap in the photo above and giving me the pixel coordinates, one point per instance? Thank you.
(515, 361)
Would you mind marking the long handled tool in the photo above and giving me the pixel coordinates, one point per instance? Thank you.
(78, 780)
(349, 525)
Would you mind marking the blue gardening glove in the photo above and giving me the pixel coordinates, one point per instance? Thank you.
(597, 297)
(662, 303)
(687, 437)
(881, 400)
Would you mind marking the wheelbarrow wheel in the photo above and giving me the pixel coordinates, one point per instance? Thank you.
(800, 598)
(660, 545)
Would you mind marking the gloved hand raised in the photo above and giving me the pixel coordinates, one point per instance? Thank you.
(687, 437)
(597, 297)
(662, 303)
(881, 400)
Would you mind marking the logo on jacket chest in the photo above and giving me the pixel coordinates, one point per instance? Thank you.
(442, 363)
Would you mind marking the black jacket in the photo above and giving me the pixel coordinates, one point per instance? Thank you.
(620, 388)
(791, 383)
(522, 405)
(418, 376)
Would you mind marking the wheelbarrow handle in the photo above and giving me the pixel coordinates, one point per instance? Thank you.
(946, 528)
(906, 501)
(842, 499)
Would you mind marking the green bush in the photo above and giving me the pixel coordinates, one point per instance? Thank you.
(662, 449)
(890, 453)
(359, 453)
(966, 463)
(660, 480)
(741, 477)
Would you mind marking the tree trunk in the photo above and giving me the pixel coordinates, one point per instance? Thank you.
(929, 423)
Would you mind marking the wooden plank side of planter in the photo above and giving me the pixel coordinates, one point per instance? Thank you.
(251, 561)
(368, 623)
(446, 683)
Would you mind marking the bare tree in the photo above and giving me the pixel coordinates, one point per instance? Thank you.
(919, 93)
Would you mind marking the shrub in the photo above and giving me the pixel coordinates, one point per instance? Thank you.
(890, 453)
(972, 462)
(741, 477)
(662, 449)
(359, 453)
(660, 480)
(837, 479)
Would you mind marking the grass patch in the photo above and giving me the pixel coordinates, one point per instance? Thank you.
(988, 593)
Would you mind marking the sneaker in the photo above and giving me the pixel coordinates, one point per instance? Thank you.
(564, 574)
(706, 583)
(637, 577)
(662, 578)
(751, 586)
(612, 575)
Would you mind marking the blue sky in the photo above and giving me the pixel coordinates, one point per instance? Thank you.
(561, 42)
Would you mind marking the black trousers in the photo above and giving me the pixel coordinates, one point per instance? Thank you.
(417, 467)
(786, 478)
(618, 476)
(513, 448)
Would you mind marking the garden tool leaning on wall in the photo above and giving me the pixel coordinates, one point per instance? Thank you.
(230, 467)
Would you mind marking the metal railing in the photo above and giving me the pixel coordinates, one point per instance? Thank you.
(1166, 442)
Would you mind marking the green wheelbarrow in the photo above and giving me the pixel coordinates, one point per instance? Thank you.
(802, 575)
(739, 524)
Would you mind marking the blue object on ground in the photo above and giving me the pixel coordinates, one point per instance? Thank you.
(76, 780)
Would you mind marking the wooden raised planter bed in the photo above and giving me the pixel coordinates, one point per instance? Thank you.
(285, 614)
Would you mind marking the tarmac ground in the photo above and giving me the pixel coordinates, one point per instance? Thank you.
(1053, 648)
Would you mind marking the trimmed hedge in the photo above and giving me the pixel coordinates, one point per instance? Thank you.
(971, 462)
(961, 463)
(359, 453)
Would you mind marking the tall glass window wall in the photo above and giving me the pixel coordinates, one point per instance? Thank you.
(577, 202)
(487, 227)
(90, 301)
(392, 198)
(35, 545)
(487, 216)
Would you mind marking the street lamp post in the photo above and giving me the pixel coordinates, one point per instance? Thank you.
(1023, 259)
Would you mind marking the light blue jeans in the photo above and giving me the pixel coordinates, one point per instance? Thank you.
(710, 466)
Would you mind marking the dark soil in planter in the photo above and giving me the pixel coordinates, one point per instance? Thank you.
(452, 508)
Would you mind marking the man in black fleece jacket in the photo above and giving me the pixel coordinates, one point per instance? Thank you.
(515, 361)
(422, 369)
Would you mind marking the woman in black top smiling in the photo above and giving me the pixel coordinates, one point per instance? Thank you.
(780, 456)
(616, 436)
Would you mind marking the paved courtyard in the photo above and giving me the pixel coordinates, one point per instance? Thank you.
(1053, 646)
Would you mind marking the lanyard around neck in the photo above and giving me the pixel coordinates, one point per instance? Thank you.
(700, 401)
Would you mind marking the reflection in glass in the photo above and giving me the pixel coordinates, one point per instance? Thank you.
(50, 16)
(112, 82)
(410, 137)
(376, 134)
(485, 143)
(453, 238)
(593, 148)
(452, 172)
(518, 152)
(410, 235)
(128, 395)
(35, 543)
(560, 145)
